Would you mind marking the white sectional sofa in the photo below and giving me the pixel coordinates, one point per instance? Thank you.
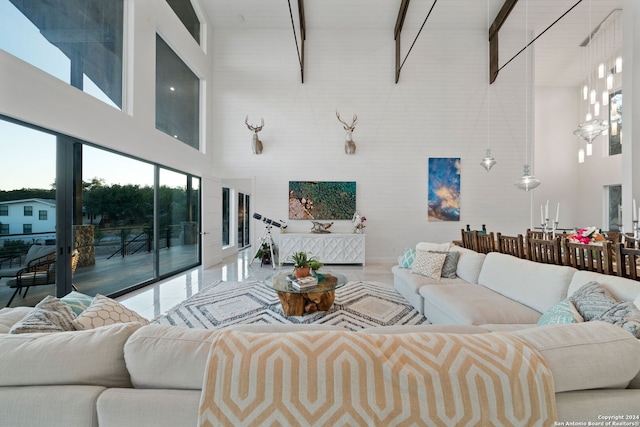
(131, 375)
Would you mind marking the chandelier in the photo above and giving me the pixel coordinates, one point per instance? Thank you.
(488, 162)
(527, 181)
(591, 129)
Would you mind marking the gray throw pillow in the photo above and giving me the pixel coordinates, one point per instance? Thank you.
(592, 300)
(623, 314)
(49, 315)
(450, 264)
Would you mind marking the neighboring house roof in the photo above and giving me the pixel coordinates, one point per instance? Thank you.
(50, 202)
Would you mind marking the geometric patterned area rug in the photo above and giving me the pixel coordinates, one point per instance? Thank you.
(357, 305)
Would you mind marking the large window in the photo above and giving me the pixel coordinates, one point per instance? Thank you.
(615, 123)
(226, 216)
(177, 97)
(614, 206)
(244, 207)
(178, 213)
(187, 15)
(80, 43)
(132, 222)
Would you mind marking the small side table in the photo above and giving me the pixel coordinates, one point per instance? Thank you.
(297, 302)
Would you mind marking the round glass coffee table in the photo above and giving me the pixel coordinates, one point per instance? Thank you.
(297, 302)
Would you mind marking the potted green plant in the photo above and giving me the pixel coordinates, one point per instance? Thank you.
(264, 254)
(302, 263)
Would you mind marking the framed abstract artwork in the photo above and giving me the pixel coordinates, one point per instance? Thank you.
(322, 200)
(444, 189)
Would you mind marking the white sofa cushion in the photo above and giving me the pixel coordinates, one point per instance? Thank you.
(10, 316)
(536, 285)
(428, 246)
(91, 357)
(122, 407)
(586, 355)
(50, 406)
(620, 288)
(162, 356)
(469, 264)
(469, 304)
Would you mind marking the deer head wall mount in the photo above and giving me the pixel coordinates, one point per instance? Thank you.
(349, 145)
(256, 144)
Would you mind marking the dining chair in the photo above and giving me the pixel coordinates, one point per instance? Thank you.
(544, 251)
(627, 261)
(596, 258)
(511, 245)
(469, 239)
(485, 242)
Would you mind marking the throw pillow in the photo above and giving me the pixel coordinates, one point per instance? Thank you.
(592, 300)
(636, 301)
(428, 264)
(450, 264)
(49, 315)
(406, 260)
(106, 311)
(623, 314)
(78, 302)
(563, 312)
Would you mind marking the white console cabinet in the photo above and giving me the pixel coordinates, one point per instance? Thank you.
(328, 248)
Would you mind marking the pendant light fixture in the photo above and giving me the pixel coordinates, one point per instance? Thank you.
(527, 181)
(488, 162)
(592, 127)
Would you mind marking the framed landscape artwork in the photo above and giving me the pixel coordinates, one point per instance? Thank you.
(444, 189)
(322, 200)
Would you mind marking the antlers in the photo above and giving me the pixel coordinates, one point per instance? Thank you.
(346, 126)
(252, 128)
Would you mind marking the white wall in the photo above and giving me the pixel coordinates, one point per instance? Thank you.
(438, 109)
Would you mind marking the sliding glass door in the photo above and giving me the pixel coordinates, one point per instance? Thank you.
(129, 221)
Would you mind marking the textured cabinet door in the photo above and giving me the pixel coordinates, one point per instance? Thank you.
(331, 248)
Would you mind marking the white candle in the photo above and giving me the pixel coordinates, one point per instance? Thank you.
(541, 215)
(546, 211)
(633, 212)
(558, 213)
(619, 214)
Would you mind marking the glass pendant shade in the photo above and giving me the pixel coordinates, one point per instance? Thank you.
(589, 149)
(585, 92)
(527, 182)
(605, 97)
(601, 70)
(488, 162)
(590, 129)
(596, 108)
(609, 81)
(581, 155)
(593, 96)
(619, 64)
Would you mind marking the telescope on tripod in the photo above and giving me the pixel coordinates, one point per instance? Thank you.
(266, 238)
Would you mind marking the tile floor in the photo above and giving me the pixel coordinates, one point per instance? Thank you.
(154, 300)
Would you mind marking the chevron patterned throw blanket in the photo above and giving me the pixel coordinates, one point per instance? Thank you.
(335, 378)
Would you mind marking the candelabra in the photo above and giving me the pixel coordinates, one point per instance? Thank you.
(545, 228)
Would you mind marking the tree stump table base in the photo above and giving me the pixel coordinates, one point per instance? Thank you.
(294, 304)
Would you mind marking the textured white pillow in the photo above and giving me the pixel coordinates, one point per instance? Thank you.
(428, 263)
(106, 311)
(49, 315)
(637, 301)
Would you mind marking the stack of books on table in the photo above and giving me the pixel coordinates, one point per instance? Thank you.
(304, 283)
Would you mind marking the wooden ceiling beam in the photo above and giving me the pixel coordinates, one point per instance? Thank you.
(506, 9)
(402, 14)
(303, 36)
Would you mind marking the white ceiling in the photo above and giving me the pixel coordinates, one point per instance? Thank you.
(559, 58)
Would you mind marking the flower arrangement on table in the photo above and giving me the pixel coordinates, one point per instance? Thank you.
(358, 222)
(587, 236)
